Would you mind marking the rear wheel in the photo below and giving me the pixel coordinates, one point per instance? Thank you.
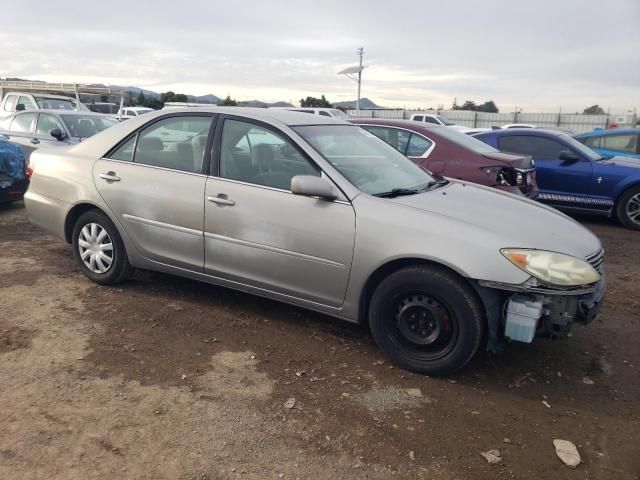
(628, 209)
(427, 319)
(99, 250)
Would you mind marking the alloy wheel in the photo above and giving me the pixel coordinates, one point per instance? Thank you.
(633, 208)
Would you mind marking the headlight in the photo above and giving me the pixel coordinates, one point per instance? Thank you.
(551, 267)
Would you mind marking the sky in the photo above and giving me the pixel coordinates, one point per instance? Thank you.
(540, 55)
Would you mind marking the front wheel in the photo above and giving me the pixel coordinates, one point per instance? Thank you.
(99, 250)
(628, 209)
(427, 319)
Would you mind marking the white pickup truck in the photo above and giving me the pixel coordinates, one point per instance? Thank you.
(437, 120)
(17, 101)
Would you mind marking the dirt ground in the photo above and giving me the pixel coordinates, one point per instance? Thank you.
(166, 378)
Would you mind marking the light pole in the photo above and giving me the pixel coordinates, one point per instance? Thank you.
(355, 74)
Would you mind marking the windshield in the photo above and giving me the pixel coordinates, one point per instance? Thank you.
(370, 164)
(580, 147)
(83, 126)
(464, 140)
(49, 103)
(445, 120)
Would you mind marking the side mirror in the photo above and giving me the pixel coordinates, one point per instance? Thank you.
(57, 134)
(569, 156)
(20, 107)
(312, 186)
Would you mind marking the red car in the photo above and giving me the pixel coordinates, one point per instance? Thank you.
(453, 154)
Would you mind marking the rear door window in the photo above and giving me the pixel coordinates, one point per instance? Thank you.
(398, 139)
(621, 143)
(23, 123)
(418, 145)
(174, 142)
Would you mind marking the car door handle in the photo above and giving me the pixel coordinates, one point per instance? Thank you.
(109, 177)
(35, 141)
(221, 200)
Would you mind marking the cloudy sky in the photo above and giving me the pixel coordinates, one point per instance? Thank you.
(539, 55)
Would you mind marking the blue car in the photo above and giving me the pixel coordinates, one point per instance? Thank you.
(624, 142)
(574, 178)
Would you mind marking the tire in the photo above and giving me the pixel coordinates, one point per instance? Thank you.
(110, 264)
(628, 208)
(448, 327)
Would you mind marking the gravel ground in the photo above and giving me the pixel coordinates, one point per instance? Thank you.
(166, 378)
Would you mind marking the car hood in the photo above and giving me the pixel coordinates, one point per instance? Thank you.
(621, 162)
(520, 223)
(512, 159)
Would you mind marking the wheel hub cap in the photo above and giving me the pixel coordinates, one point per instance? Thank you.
(96, 248)
(421, 319)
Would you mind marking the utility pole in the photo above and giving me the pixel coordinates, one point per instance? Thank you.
(360, 55)
(355, 74)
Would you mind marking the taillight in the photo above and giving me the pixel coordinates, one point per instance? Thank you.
(30, 167)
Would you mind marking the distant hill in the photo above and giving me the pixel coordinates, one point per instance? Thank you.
(261, 104)
(209, 98)
(365, 103)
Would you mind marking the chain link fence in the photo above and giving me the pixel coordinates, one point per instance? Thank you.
(577, 123)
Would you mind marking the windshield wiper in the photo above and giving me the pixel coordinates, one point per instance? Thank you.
(396, 192)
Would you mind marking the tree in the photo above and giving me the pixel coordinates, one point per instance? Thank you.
(140, 99)
(128, 100)
(181, 97)
(167, 97)
(228, 102)
(321, 102)
(594, 110)
(469, 105)
(488, 106)
(153, 103)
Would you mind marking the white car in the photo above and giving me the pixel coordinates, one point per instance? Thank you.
(323, 112)
(518, 125)
(132, 112)
(437, 120)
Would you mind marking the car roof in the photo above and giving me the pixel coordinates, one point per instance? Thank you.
(499, 132)
(54, 111)
(46, 95)
(393, 122)
(99, 144)
(610, 131)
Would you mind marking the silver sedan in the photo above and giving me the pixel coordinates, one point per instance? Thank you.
(34, 129)
(319, 213)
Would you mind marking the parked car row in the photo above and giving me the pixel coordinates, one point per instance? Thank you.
(574, 178)
(450, 153)
(323, 214)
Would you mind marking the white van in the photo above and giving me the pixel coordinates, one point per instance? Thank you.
(325, 112)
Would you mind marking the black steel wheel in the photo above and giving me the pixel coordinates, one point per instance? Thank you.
(427, 319)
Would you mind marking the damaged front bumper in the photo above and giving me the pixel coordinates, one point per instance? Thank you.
(520, 312)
